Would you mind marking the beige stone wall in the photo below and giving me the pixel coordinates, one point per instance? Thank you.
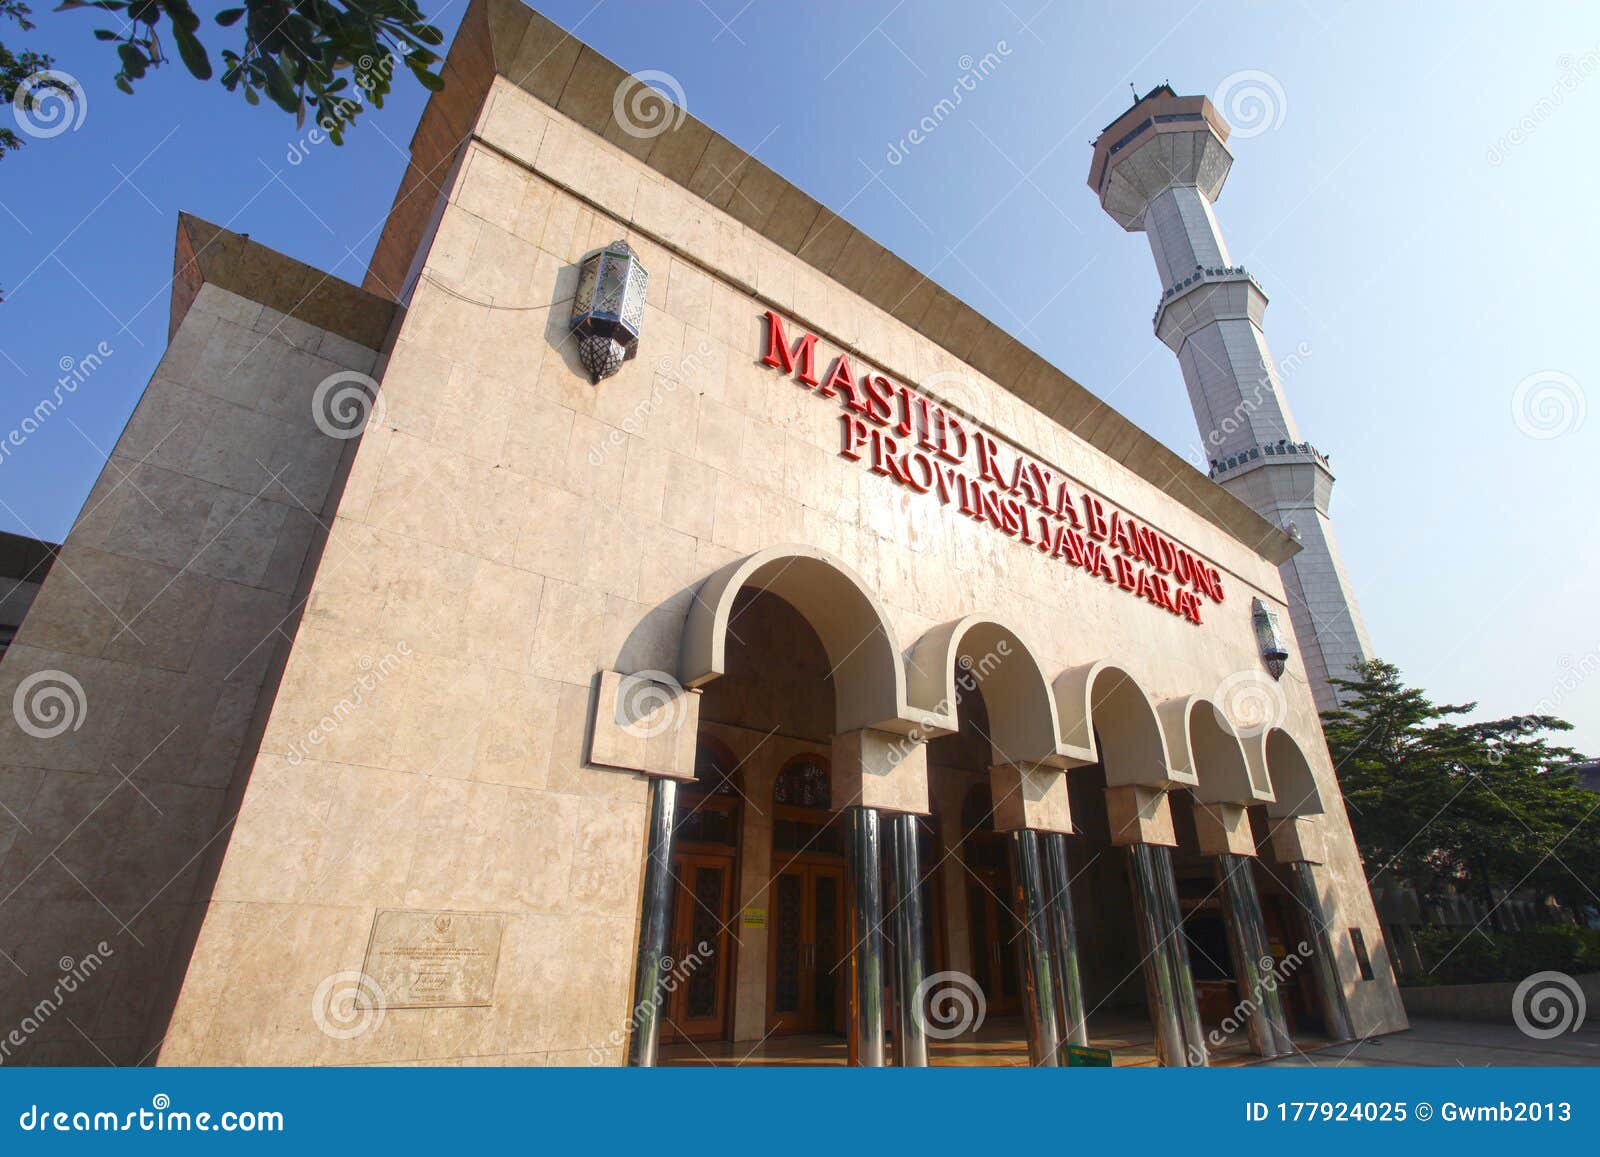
(159, 622)
(519, 529)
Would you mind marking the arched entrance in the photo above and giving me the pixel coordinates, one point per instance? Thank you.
(805, 981)
(705, 870)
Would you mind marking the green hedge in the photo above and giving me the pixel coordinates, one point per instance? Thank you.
(1451, 956)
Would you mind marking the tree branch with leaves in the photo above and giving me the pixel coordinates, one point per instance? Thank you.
(1481, 807)
(326, 60)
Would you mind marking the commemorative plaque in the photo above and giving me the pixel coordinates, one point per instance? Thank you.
(435, 959)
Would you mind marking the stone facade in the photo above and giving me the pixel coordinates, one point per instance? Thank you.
(440, 597)
(159, 628)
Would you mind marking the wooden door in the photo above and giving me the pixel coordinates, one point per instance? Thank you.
(1294, 984)
(806, 975)
(697, 1007)
(993, 928)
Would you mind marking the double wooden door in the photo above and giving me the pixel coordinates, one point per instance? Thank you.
(807, 972)
(702, 909)
(993, 928)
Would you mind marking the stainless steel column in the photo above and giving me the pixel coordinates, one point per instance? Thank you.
(1247, 964)
(1330, 993)
(866, 938)
(911, 1044)
(1027, 874)
(1271, 998)
(1064, 940)
(894, 1015)
(1150, 916)
(1178, 952)
(656, 912)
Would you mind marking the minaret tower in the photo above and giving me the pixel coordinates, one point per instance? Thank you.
(1158, 169)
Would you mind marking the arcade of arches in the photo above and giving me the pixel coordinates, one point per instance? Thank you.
(784, 923)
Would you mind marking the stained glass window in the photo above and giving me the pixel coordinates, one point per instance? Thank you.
(803, 784)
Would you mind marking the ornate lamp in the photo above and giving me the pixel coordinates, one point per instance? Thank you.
(1269, 637)
(608, 309)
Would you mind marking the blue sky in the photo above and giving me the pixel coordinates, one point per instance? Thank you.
(1418, 202)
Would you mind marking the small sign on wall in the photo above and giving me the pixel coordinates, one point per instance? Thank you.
(753, 918)
(435, 959)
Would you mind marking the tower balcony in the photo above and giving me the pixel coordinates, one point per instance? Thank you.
(1210, 294)
(1163, 140)
(1282, 450)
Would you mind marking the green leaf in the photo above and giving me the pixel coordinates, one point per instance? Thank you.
(133, 61)
(192, 52)
(228, 17)
(182, 15)
(427, 79)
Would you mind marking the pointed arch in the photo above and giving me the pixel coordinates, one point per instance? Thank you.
(868, 676)
(977, 652)
(1204, 744)
(1101, 703)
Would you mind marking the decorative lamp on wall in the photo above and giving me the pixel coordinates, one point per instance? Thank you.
(609, 308)
(1269, 637)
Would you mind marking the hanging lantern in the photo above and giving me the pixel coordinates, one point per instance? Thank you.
(1269, 637)
(608, 309)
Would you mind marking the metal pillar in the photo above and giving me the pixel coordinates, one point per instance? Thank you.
(1027, 874)
(1271, 997)
(654, 923)
(1064, 940)
(911, 1042)
(866, 938)
(1330, 993)
(894, 1014)
(1178, 952)
(1248, 965)
(1150, 916)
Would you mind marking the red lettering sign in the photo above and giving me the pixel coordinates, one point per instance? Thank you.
(914, 441)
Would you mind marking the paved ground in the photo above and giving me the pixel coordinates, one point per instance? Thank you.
(1433, 1043)
(1438, 1043)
